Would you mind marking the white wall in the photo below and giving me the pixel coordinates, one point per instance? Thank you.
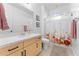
(17, 17)
(41, 10)
(43, 20)
(36, 8)
(61, 25)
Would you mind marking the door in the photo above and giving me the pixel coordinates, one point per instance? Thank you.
(33, 49)
(38, 47)
(30, 50)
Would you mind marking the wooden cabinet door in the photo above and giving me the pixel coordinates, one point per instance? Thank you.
(17, 53)
(38, 47)
(33, 49)
(30, 50)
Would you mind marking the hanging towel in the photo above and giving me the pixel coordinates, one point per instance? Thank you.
(0, 20)
(3, 20)
(0, 23)
(74, 29)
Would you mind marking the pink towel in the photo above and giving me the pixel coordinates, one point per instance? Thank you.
(0, 23)
(0, 20)
(3, 20)
(74, 29)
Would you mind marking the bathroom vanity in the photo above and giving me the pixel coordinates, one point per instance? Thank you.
(21, 45)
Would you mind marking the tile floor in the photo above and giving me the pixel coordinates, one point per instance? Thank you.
(53, 50)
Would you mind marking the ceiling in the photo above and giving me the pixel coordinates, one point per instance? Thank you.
(61, 8)
(52, 8)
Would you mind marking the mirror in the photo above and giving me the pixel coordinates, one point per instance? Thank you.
(18, 16)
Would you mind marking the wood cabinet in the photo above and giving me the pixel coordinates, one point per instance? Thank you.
(4, 51)
(32, 40)
(38, 47)
(17, 53)
(15, 47)
(30, 50)
(11, 48)
(34, 48)
(30, 47)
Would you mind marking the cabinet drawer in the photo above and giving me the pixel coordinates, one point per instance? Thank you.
(15, 47)
(11, 48)
(17, 53)
(30, 41)
(4, 51)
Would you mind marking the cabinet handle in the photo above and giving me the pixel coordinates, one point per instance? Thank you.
(39, 38)
(21, 53)
(13, 48)
(24, 52)
(36, 45)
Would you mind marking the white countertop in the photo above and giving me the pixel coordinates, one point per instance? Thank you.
(8, 40)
